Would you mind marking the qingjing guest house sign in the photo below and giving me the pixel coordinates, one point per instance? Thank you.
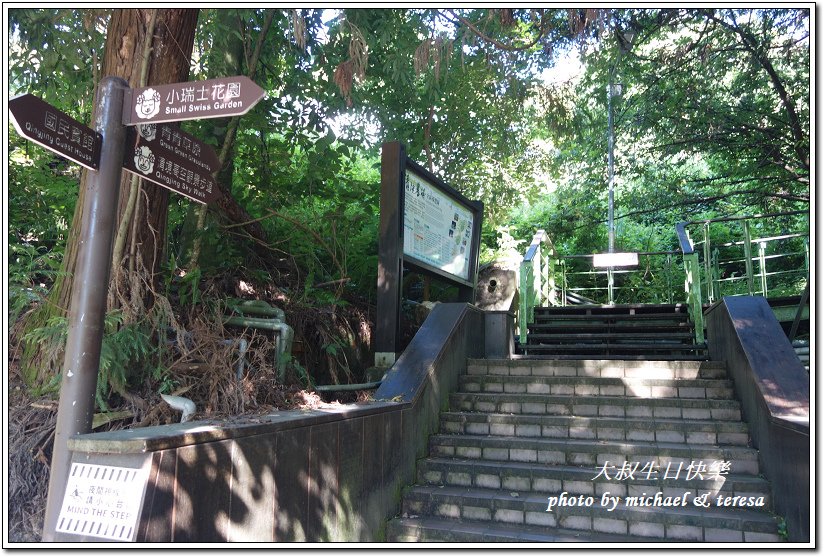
(40, 122)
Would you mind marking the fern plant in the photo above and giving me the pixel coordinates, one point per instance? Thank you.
(125, 349)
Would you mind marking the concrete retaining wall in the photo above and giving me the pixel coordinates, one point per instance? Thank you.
(320, 475)
(774, 390)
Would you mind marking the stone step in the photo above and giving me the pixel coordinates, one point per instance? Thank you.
(604, 317)
(426, 529)
(595, 406)
(615, 309)
(694, 432)
(547, 480)
(675, 523)
(674, 337)
(650, 369)
(617, 350)
(526, 352)
(593, 386)
(582, 325)
(668, 457)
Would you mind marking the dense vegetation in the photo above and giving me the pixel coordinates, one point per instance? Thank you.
(713, 120)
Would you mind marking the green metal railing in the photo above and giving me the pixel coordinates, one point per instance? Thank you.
(653, 280)
(537, 280)
(746, 263)
(692, 281)
(751, 261)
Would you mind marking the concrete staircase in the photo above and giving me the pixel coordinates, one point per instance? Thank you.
(522, 431)
(631, 331)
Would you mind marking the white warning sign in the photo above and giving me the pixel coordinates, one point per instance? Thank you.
(102, 501)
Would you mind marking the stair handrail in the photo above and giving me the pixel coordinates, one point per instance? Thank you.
(692, 282)
(537, 280)
(710, 264)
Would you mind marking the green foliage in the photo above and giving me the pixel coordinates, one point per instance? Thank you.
(30, 270)
(124, 351)
(189, 287)
(714, 120)
(783, 533)
(55, 54)
(302, 373)
(51, 337)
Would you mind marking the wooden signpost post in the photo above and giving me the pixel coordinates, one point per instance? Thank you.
(130, 133)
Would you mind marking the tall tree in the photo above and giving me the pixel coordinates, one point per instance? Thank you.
(144, 47)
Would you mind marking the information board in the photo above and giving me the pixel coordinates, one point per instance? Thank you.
(427, 227)
(102, 501)
(437, 230)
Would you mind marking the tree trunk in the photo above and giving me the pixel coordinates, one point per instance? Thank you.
(170, 52)
(170, 55)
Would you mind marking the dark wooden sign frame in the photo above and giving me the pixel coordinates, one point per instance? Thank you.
(391, 256)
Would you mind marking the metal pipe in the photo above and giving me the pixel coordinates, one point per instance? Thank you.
(611, 165)
(283, 342)
(88, 301)
(748, 258)
(259, 307)
(242, 345)
(181, 404)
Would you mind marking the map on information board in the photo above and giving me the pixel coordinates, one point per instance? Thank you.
(437, 228)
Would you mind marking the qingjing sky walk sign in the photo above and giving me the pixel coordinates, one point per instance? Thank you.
(131, 132)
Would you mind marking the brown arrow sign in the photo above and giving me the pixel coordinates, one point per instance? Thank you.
(38, 121)
(147, 155)
(211, 98)
(176, 144)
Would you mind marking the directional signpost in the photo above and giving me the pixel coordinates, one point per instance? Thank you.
(38, 121)
(173, 159)
(130, 134)
(212, 98)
